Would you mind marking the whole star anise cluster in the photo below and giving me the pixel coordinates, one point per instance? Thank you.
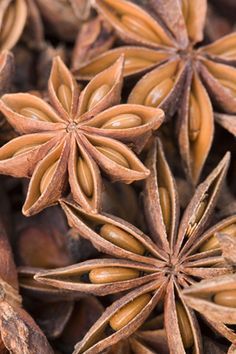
(126, 241)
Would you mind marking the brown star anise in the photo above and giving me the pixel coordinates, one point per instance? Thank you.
(19, 332)
(68, 141)
(184, 73)
(13, 15)
(154, 271)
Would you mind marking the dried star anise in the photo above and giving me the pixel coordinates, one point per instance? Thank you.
(19, 332)
(189, 74)
(154, 271)
(66, 142)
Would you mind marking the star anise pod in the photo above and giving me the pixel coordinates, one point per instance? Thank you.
(13, 15)
(19, 332)
(153, 270)
(68, 140)
(189, 74)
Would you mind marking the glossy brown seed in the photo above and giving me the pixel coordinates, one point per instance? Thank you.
(113, 155)
(127, 313)
(121, 238)
(137, 25)
(123, 121)
(98, 95)
(194, 122)
(25, 149)
(65, 96)
(185, 8)
(159, 92)
(165, 206)
(112, 275)
(85, 177)
(226, 298)
(46, 178)
(8, 22)
(34, 113)
(184, 326)
(213, 243)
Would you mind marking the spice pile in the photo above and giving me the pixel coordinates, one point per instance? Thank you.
(117, 168)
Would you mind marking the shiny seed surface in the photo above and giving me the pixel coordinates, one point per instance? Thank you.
(34, 113)
(46, 179)
(98, 95)
(123, 121)
(184, 326)
(8, 21)
(194, 121)
(159, 92)
(85, 177)
(138, 26)
(229, 85)
(213, 243)
(65, 96)
(113, 155)
(112, 275)
(121, 238)
(165, 206)
(129, 312)
(226, 298)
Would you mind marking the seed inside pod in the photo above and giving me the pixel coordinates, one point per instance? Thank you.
(85, 177)
(8, 21)
(65, 97)
(184, 326)
(159, 92)
(138, 26)
(113, 155)
(229, 85)
(123, 121)
(98, 95)
(127, 313)
(25, 149)
(194, 118)
(46, 178)
(132, 63)
(121, 238)
(185, 8)
(226, 298)
(165, 206)
(213, 243)
(197, 215)
(34, 113)
(112, 275)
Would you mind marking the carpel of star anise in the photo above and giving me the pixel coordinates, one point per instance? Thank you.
(188, 78)
(154, 271)
(69, 140)
(19, 332)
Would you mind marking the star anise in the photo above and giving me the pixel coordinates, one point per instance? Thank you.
(13, 15)
(154, 271)
(19, 332)
(189, 74)
(70, 139)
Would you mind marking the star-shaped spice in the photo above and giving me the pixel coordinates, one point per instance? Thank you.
(195, 76)
(69, 140)
(13, 15)
(153, 270)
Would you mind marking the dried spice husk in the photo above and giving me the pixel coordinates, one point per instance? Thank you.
(69, 142)
(153, 271)
(227, 121)
(19, 332)
(13, 15)
(217, 296)
(64, 18)
(95, 37)
(172, 34)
